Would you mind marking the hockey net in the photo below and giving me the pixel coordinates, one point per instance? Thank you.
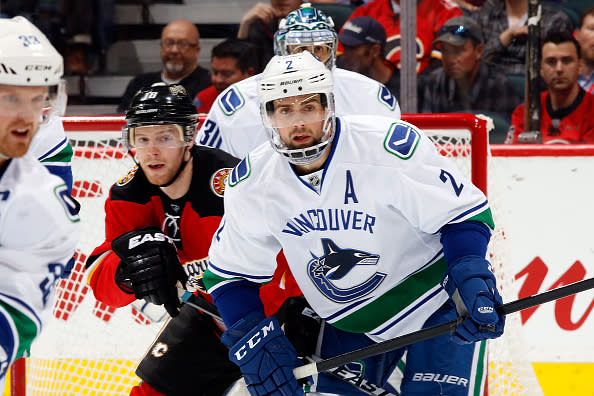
(90, 348)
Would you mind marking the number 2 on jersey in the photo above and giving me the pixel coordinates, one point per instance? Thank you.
(445, 175)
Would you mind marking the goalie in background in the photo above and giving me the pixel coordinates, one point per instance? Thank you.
(159, 221)
(39, 222)
(383, 235)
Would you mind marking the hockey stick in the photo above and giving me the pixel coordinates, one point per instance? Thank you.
(359, 383)
(444, 328)
(201, 304)
(532, 110)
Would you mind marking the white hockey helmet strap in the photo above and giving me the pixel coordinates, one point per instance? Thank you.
(297, 75)
(27, 58)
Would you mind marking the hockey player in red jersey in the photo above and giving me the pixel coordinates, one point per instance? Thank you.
(431, 15)
(159, 222)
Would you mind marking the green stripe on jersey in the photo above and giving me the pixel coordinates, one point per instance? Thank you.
(64, 155)
(391, 303)
(480, 369)
(27, 329)
(485, 217)
(210, 280)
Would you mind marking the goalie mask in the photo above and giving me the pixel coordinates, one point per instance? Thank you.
(162, 104)
(295, 94)
(27, 58)
(307, 28)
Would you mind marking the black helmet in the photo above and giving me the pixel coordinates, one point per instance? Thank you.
(162, 104)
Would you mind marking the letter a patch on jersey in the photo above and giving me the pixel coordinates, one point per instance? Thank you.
(231, 101)
(402, 140)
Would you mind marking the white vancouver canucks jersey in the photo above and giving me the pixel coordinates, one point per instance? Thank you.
(39, 229)
(366, 249)
(50, 145)
(234, 123)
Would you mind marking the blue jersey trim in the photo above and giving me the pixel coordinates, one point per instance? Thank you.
(7, 341)
(463, 214)
(327, 163)
(54, 149)
(259, 279)
(350, 307)
(346, 309)
(24, 305)
(409, 312)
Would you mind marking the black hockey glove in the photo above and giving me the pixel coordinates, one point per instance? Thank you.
(150, 267)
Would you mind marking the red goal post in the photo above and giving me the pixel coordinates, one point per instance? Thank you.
(86, 349)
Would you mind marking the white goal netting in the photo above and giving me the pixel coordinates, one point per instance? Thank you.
(90, 348)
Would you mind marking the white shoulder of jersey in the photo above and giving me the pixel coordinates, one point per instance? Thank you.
(233, 100)
(49, 140)
(38, 214)
(233, 123)
(355, 93)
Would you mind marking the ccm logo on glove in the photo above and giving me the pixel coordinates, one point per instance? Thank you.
(254, 340)
(140, 239)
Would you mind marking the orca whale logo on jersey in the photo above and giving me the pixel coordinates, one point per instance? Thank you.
(231, 101)
(385, 96)
(338, 272)
(402, 140)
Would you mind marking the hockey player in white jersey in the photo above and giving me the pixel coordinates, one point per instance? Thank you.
(234, 124)
(383, 235)
(39, 222)
(51, 147)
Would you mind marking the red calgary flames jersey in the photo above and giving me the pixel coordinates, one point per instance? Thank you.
(431, 15)
(134, 203)
(572, 125)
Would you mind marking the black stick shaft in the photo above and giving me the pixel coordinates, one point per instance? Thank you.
(444, 328)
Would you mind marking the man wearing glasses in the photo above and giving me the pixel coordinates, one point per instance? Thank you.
(180, 47)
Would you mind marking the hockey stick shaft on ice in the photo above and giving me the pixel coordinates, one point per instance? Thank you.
(444, 328)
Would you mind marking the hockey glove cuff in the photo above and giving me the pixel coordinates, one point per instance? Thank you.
(264, 355)
(470, 283)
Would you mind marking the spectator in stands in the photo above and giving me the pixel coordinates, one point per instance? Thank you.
(231, 61)
(180, 47)
(464, 82)
(431, 15)
(261, 21)
(585, 36)
(566, 109)
(364, 42)
(505, 31)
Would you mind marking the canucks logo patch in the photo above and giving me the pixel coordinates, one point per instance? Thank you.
(219, 180)
(385, 96)
(129, 176)
(402, 140)
(240, 172)
(231, 101)
(344, 275)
